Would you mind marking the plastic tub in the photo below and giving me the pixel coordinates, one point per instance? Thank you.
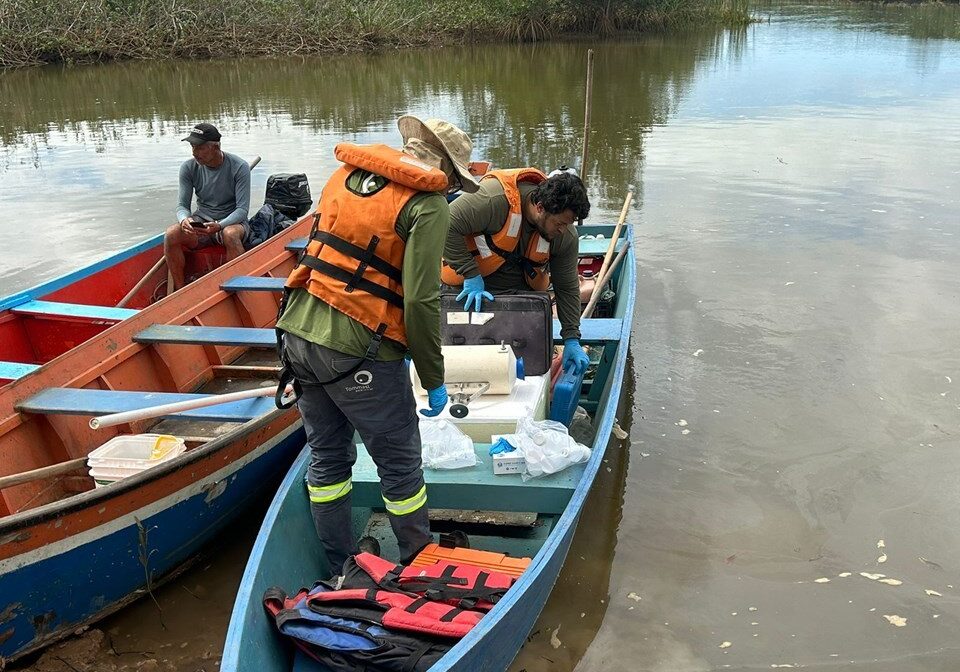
(130, 454)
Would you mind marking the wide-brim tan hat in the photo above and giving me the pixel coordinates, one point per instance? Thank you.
(446, 137)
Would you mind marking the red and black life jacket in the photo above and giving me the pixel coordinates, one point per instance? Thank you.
(427, 608)
(351, 639)
(463, 586)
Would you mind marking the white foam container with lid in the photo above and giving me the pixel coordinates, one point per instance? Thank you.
(130, 454)
(492, 414)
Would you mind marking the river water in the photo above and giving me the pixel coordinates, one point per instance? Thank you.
(796, 358)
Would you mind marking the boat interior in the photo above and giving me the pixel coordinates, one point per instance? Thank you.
(214, 336)
(42, 323)
(500, 513)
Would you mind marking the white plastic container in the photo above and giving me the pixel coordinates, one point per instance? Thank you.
(130, 454)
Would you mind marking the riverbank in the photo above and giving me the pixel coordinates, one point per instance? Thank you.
(78, 31)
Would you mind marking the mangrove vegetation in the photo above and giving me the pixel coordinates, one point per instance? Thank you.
(34, 32)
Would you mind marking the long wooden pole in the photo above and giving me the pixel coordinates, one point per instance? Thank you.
(179, 406)
(586, 117)
(613, 241)
(42, 472)
(137, 287)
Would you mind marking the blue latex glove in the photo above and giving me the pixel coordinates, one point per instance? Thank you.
(437, 397)
(573, 355)
(473, 291)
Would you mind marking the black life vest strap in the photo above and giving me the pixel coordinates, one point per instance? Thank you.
(410, 664)
(353, 280)
(528, 266)
(365, 256)
(286, 374)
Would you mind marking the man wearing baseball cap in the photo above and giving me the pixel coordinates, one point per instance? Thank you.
(364, 295)
(221, 182)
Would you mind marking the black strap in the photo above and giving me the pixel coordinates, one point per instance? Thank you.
(372, 594)
(527, 266)
(287, 376)
(450, 615)
(349, 279)
(410, 664)
(365, 256)
(416, 604)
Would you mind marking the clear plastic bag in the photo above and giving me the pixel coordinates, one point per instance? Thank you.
(581, 427)
(547, 447)
(444, 446)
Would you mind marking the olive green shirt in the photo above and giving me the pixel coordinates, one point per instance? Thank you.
(486, 212)
(423, 224)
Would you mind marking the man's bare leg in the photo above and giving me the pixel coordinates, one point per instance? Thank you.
(174, 242)
(233, 241)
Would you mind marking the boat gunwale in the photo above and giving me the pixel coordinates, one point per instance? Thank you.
(61, 281)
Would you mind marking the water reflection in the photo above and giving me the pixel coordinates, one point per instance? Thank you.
(799, 245)
(103, 141)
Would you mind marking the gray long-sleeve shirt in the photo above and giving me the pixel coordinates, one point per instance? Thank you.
(485, 212)
(223, 194)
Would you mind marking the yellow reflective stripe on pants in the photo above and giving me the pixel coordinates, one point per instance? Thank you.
(409, 505)
(320, 494)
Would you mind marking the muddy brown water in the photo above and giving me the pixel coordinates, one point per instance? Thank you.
(795, 361)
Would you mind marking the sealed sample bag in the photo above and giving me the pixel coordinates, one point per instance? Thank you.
(546, 446)
(445, 446)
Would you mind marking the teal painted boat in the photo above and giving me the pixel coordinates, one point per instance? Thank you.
(287, 553)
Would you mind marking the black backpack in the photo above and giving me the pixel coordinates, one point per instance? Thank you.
(289, 194)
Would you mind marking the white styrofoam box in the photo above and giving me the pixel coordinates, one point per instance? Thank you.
(130, 454)
(509, 463)
(498, 413)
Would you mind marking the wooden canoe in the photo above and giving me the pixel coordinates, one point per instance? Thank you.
(287, 552)
(70, 553)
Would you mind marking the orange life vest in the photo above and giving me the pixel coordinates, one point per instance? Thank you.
(492, 251)
(354, 258)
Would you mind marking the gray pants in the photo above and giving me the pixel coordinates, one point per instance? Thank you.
(376, 401)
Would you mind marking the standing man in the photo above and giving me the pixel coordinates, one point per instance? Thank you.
(221, 182)
(517, 233)
(364, 294)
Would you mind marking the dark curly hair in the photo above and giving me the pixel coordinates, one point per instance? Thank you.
(562, 192)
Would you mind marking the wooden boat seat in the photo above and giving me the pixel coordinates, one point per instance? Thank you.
(249, 283)
(187, 335)
(14, 370)
(474, 488)
(592, 331)
(82, 401)
(56, 309)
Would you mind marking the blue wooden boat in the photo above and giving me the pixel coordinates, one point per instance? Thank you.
(70, 552)
(287, 553)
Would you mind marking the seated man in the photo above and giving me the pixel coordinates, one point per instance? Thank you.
(221, 182)
(517, 233)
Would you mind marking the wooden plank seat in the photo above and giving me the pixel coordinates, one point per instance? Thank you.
(474, 488)
(592, 331)
(81, 401)
(187, 335)
(588, 248)
(249, 283)
(56, 309)
(14, 370)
